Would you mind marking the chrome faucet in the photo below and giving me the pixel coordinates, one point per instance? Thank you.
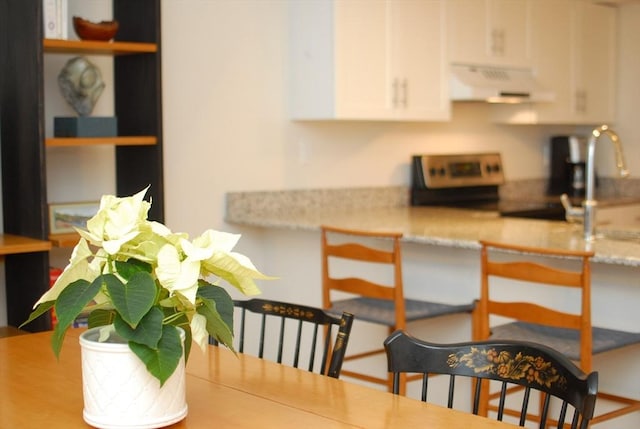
(586, 213)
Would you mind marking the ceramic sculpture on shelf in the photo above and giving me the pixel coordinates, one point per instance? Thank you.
(81, 84)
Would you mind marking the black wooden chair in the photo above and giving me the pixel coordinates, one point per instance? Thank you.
(289, 334)
(529, 365)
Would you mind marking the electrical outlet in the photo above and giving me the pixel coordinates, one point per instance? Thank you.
(304, 152)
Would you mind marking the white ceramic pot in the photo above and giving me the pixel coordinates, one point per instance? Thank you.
(119, 392)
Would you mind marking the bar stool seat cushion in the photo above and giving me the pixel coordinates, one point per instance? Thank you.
(566, 341)
(382, 311)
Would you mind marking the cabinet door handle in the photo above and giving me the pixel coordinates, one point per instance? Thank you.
(581, 101)
(497, 42)
(396, 89)
(405, 93)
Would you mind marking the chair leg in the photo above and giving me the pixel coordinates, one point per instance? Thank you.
(402, 388)
(483, 402)
(629, 406)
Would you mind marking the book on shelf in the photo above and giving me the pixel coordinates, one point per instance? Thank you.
(55, 19)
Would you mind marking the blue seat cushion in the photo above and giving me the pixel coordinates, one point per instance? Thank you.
(567, 341)
(382, 311)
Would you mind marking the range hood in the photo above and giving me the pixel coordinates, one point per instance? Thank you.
(494, 84)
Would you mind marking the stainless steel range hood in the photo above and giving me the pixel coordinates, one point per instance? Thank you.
(493, 84)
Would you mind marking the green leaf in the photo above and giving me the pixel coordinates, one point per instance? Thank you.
(101, 317)
(129, 268)
(148, 331)
(217, 307)
(161, 363)
(133, 299)
(183, 322)
(39, 311)
(70, 303)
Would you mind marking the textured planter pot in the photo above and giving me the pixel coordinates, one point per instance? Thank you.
(119, 392)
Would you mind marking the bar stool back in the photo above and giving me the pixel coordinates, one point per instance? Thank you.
(516, 270)
(374, 300)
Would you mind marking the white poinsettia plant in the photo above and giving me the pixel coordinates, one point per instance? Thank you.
(140, 279)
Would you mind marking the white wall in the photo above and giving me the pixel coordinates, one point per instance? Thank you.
(226, 123)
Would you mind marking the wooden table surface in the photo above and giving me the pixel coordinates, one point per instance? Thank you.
(223, 391)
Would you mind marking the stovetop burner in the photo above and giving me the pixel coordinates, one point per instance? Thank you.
(515, 208)
(471, 181)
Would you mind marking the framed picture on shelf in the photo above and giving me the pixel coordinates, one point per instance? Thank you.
(63, 217)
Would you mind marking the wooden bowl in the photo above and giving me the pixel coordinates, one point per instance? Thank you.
(88, 30)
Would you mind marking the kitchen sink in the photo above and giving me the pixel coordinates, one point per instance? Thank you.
(618, 234)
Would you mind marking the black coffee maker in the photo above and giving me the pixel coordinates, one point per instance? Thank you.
(568, 173)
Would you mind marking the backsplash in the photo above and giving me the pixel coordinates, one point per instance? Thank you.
(247, 204)
(240, 204)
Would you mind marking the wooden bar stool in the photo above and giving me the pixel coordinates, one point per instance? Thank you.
(348, 256)
(520, 271)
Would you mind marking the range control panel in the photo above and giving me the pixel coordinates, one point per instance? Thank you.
(454, 171)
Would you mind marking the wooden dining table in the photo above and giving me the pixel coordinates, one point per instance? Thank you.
(224, 390)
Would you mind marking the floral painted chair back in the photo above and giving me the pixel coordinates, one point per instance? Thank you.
(568, 394)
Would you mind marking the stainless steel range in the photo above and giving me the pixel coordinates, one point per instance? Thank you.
(471, 181)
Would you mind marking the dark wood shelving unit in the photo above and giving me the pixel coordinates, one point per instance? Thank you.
(138, 106)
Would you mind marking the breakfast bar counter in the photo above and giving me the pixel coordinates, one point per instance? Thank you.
(438, 226)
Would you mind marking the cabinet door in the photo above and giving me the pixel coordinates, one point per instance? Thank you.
(368, 60)
(467, 30)
(493, 32)
(418, 62)
(509, 32)
(595, 63)
(362, 79)
(565, 36)
(553, 63)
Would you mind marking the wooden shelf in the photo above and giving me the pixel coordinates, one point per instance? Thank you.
(59, 46)
(11, 244)
(89, 141)
(69, 239)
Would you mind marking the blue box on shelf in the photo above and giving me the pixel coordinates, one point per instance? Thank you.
(85, 126)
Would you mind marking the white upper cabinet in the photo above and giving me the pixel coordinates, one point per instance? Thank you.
(596, 58)
(490, 32)
(368, 60)
(573, 46)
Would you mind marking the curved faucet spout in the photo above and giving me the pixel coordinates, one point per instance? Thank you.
(590, 203)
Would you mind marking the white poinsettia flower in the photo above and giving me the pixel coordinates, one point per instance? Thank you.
(120, 240)
(217, 240)
(198, 250)
(159, 228)
(78, 268)
(236, 269)
(199, 330)
(118, 221)
(113, 246)
(178, 275)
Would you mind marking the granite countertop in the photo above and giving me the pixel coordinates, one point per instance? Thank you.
(386, 209)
